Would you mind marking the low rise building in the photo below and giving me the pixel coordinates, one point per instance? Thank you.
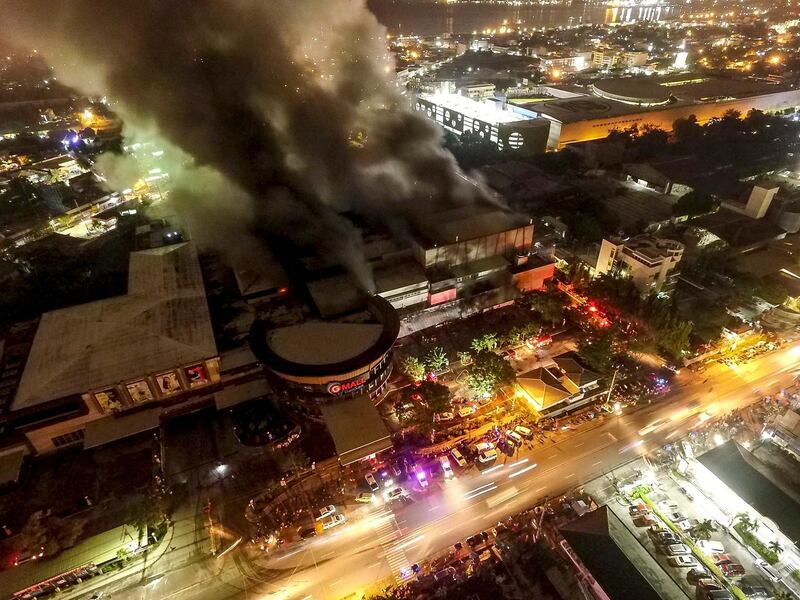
(651, 262)
(563, 386)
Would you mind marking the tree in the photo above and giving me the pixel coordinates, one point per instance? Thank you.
(464, 358)
(487, 341)
(695, 203)
(404, 411)
(489, 373)
(414, 368)
(745, 522)
(291, 459)
(148, 511)
(776, 547)
(596, 351)
(686, 130)
(437, 360)
(703, 530)
(549, 306)
(435, 395)
(674, 339)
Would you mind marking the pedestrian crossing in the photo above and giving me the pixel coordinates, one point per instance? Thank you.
(387, 534)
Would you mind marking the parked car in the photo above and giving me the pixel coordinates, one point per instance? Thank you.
(443, 416)
(307, 533)
(682, 561)
(483, 446)
(458, 457)
(447, 470)
(448, 574)
(644, 520)
(477, 539)
(513, 435)
(365, 498)
(333, 521)
(732, 570)
(422, 478)
(466, 411)
(395, 494)
(710, 547)
(487, 455)
(507, 447)
(510, 353)
(686, 493)
(768, 570)
(325, 511)
(524, 431)
(697, 573)
(370, 479)
(676, 549)
(721, 559)
(666, 538)
(639, 509)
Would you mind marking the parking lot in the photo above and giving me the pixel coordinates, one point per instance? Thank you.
(686, 508)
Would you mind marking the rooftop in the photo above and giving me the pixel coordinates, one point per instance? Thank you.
(469, 223)
(162, 322)
(488, 110)
(322, 343)
(356, 428)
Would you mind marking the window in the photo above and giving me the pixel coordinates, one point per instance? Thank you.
(73, 437)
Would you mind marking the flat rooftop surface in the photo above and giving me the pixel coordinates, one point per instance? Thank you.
(469, 223)
(161, 323)
(356, 428)
(488, 111)
(321, 343)
(727, 463)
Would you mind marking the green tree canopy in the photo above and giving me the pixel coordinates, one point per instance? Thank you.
(695, 203)
(489, 373)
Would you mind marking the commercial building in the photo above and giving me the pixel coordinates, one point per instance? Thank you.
(106, 369)
(650, 262)
(326, 360)
(492, 119)
(563, 386)
(342, 365)
(585, 114)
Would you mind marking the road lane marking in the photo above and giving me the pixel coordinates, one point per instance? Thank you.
(337, 582)
(579, 445)
(552, 457)
(539, 489)
(570, 475)
(521, 471)
(519, 462)
(599, 462)
(475, 495)
(432, 508)
(329, 554)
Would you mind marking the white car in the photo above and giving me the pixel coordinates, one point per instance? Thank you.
(326, 512)
(394, 494)
(524, 431)
(458, 457)
(487, 455)
(710, 547)
(447, 470)
(444, 416)
(466, 411)
(333, 521)
(370, 479)
(513, 435)
(682, 560)
(365, 498)
(677, 549)
(483, 446)
(769, 571)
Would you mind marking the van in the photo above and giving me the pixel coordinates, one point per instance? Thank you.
(458, 457)
(524, 431)
(487, 455)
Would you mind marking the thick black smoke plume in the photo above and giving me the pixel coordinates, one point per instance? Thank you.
(291, 101)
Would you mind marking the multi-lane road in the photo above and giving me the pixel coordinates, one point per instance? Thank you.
(377, 542)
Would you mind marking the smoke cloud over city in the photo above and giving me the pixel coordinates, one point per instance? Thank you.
(284, 110)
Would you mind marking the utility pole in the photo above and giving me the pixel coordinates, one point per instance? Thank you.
(611, 387)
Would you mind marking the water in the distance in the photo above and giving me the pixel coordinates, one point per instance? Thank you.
(429, 18)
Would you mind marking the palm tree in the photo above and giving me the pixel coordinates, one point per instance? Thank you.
(776, 547)
(783, 595)
(745, 522)
(703, 530)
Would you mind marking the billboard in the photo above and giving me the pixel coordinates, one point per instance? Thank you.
(168, 383)
(196, 375)
(108, 400)
(139, 391)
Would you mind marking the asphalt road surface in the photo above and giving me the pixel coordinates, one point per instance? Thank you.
(379, 541)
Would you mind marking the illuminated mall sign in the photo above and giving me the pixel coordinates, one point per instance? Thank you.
(337, 388)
